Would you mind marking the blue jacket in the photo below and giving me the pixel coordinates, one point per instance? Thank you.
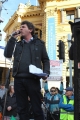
(45, 86)
(67, 107)
(52, 102)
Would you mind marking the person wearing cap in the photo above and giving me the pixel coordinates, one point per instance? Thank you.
(66, 105)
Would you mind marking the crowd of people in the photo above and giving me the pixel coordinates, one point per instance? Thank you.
(57, 104)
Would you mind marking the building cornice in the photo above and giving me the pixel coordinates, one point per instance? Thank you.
(68, 4)
(23, 11)
(27, 11)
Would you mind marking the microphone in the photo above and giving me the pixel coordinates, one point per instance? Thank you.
(16, 33)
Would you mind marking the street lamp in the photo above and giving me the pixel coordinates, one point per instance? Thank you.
(70, 62)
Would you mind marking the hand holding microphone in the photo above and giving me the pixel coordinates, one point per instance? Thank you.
(16, 34)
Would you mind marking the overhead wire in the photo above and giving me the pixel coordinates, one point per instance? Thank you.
(4, 9)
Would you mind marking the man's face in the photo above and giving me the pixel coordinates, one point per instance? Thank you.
(2, 86)
(69, 93)
(25, 31)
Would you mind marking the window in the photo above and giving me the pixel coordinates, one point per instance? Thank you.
(38, 33)
(70, 15)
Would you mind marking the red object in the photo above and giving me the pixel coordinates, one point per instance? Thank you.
(0, 116)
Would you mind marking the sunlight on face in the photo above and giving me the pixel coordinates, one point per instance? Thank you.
(69, 93)
(25, 30)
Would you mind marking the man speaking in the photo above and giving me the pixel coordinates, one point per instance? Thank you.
(30, 50)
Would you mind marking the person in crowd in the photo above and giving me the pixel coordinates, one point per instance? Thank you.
(29, 50)
(46, 86)
(42, 93)
(0, 110)
(2, 90)
(66, 105)
(11, 105)
(59, 92)
(52, 101)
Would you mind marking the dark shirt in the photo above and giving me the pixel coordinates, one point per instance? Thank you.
(11, 101)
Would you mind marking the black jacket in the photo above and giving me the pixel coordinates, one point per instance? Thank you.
(39, 56)
(11, 101)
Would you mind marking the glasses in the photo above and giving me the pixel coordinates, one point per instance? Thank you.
(53, 90)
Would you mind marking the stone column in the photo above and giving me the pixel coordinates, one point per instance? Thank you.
(62, 16)
(78, 12)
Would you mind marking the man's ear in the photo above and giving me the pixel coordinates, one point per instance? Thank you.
(30, 30)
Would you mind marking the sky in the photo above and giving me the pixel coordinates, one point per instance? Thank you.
(8, 9)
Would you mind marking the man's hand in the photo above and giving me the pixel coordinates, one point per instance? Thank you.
(15, 34)
(45, 77)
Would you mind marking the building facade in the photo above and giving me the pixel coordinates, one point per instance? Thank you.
(51, 20)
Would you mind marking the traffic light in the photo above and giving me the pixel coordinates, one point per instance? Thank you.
(61, 50)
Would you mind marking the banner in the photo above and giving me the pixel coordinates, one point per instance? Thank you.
(55, 70)
(51, 38)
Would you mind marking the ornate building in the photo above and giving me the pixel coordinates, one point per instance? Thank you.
(51, 19)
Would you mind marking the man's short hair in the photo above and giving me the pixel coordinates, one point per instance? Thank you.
(2, 84)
